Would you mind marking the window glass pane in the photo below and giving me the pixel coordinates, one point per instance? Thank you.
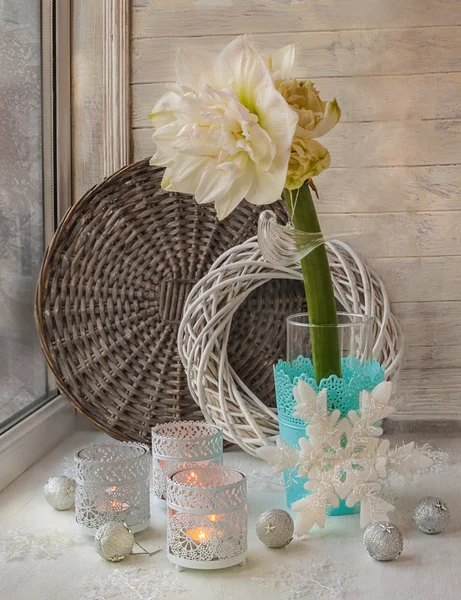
(23, 376)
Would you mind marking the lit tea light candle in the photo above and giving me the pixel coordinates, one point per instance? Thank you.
(207, 518)
(118, 506)
(115, 504)
(112, 485)
(201, 534)
(183, 445)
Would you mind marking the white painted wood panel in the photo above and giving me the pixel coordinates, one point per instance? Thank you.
(390, 189)
(321, 54)
(395, 67)
(101, 140)
(201, 17)
(87, 97)
(432, 357)
(398, 234)
(390, 144)
(422, 392)
(117, 113)
(428, 279)
(430, 323)
(422, 406)
(374, 98)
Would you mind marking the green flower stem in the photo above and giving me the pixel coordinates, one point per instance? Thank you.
(326, 355)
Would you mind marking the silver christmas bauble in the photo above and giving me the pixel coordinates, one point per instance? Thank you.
(114, 541)
(275, 528)
(383, 541)
(431, 515)
(60, 492)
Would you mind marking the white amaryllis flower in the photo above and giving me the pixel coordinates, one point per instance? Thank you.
(224, 132)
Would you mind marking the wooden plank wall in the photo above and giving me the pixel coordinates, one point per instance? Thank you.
(395, 67)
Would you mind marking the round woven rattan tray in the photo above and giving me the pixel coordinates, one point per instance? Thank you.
(111, 293)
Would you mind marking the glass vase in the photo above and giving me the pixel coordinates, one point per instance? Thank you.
(359, 372)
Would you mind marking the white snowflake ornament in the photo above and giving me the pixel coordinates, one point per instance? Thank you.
(343, 458)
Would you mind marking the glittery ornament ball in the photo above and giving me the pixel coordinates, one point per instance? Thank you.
(275, 528)
(60, 492)
(383, 541)
(114, 541)
(431, 515)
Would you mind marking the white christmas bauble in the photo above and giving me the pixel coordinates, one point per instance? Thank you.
(114, 541)
(60, 492)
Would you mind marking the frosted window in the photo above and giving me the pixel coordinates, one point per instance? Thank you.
(22, 366)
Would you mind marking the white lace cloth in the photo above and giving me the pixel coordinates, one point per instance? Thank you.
(53, 562)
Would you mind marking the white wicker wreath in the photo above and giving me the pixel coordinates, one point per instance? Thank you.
(205, 327)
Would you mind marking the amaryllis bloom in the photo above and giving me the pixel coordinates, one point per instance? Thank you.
(224, 132)
(316, 117)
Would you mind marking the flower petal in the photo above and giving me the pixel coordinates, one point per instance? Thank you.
(185, 174)
(281, 63)
(196, 68)
(308, 159)
(226, 203)
(267, 187)
(163, 113)
(250, 72)
(284, 59)
(330, 119)
(160, 159)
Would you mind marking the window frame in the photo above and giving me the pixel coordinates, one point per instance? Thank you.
(31, 432)
(56, 145)
(67, 91)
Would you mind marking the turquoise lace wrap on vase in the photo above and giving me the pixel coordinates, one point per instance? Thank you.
(343, 393)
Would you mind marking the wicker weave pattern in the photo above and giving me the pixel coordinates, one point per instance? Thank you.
(215, 305)
(110, 299)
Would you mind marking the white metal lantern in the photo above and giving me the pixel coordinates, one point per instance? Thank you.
(112, 485)
(207, 518)
(182, 444)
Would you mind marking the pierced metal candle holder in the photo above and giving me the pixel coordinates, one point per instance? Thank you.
(181, 445)
(112, 485)
(207, 518)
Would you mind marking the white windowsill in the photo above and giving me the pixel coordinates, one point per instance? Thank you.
(427, 570)
(28, 441)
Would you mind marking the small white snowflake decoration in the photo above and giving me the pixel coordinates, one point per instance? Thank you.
(343, 458)
(133, 584)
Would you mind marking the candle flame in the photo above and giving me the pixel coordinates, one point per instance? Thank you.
(201, 534)
(214, 518)
(115, 504)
